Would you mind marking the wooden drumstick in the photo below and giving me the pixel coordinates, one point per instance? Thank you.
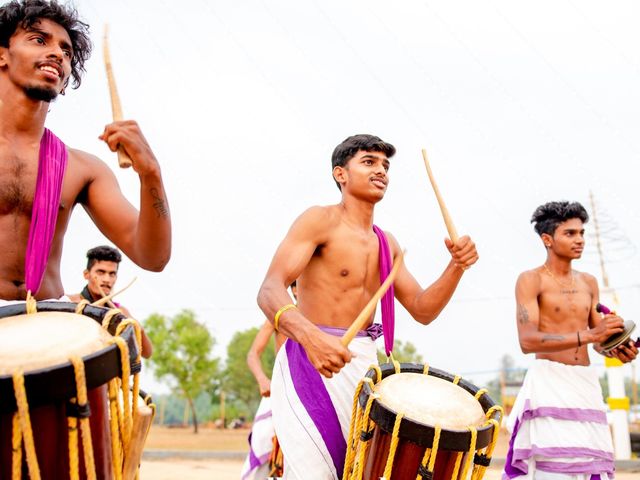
(366, 312)
(109, 302)
(116, 108)
(107, 298)
(141, 425)
(453, 234)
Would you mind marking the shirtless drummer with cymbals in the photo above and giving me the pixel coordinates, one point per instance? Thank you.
(558, 423)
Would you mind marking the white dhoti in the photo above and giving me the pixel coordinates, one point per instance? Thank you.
(256, 465)
(311, 413)
(559, 426)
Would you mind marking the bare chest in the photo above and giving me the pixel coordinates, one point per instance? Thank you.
(349, 260)
(18, 176)
(17, 183)
(565, 305)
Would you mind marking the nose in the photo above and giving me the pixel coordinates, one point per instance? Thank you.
(56, 52)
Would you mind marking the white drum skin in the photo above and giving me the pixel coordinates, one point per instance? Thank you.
(430, 401)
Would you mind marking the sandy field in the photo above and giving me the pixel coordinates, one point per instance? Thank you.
(230, 470)
(209, 442)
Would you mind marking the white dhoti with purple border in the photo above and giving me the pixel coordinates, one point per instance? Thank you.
(311, 413)
(256, 465)
(559, 426)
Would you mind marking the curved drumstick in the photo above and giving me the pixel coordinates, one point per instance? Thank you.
(366, 312)
(107, 299)
(109, 302)
(453, 234)
(116, 108)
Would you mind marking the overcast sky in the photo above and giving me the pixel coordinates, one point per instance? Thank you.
(517, 104)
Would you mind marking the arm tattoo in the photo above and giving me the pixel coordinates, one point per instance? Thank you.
(552, 338)
(159, 203)
(523, 314)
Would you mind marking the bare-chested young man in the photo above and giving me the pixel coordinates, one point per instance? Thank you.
(559, 427)
(43, 47)
(333, 252)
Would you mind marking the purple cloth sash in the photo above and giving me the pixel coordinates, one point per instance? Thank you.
(387, 302)
(374, 331)
(52, 163)
(316, 400)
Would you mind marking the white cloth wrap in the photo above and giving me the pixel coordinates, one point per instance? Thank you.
(256, 465)
(559, 426)
(306, 457)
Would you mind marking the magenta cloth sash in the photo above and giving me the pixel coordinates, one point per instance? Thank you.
(387, 302)
(52, 163)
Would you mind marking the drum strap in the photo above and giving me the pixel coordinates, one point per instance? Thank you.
(52, 163)
(387, 302)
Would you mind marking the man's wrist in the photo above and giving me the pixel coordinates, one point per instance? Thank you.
(586, 337)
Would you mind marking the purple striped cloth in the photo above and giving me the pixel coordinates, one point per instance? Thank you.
(387, 302)
(52, 163)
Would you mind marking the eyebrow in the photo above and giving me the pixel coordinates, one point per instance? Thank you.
(64, 44)
(371, 155)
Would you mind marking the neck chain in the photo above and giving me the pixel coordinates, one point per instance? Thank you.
(562, 284)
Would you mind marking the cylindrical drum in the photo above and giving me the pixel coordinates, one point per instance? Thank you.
(415, 422)
(47, 360)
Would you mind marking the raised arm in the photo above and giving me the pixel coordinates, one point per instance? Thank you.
(253, 358)
(307, 233)
(145, 236)
(425, 305)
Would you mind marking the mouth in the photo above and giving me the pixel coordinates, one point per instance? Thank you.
(379, 182)
(51, 69)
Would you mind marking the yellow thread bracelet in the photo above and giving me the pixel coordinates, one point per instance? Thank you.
(276, 319)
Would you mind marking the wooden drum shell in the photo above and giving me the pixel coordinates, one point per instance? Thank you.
(415, 437)
(48, 391)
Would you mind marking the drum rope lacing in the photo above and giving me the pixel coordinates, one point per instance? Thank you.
(122, 414)
(361, 433)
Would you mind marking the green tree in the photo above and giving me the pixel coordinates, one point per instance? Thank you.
(182, 355)
(403, 352)
(238, 381)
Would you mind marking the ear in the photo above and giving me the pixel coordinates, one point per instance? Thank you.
(4, 51)
(340, 175)
(547, 240)
(86, 274)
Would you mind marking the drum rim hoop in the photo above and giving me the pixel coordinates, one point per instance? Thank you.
(420, 433)
(57, 382)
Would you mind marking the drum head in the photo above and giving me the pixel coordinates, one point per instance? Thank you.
(619, 338)
(40, 344)
(451, 406)
(430, 400)
(44, 339)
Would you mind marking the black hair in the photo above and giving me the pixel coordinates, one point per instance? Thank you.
(103, 253)
(547, 217)
(351, 145)
(26, 13)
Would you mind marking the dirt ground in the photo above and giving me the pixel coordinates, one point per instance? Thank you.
(230, 470)
(183, 440)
